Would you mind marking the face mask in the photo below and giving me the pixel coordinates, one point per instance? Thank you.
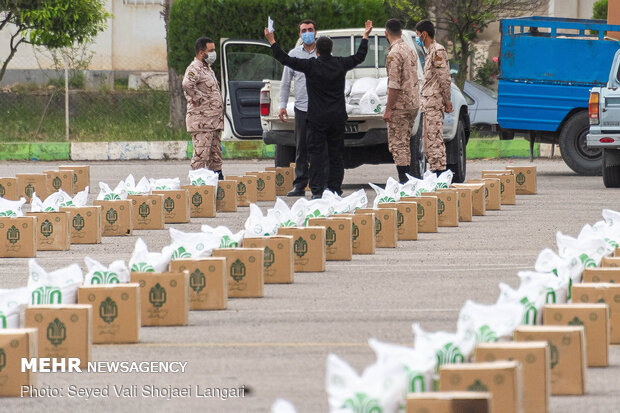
(210, 59)
(307, 38)
(420, 42)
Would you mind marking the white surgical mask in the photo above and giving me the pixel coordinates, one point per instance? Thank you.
(210, 58)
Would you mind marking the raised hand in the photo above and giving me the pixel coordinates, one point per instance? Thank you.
(269, 36)
(368, 28)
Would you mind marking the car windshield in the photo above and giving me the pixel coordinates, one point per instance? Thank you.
(485, 90)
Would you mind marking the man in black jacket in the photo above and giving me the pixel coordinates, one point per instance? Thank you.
(325, 78)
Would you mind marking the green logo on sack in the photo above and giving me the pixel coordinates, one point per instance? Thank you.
(530, 312)
(2, 191)
(47, 295)
(300, 247)
(260, 184)
(477, 386)
(2, 320)
(144, 210)
(157, 296)
(78, 222)
(486, 335)
(56, 183)
(108, 310)
(279, 179)
(575, 322)
(520, 178)
(220, 193)
(587, 261)
(420, 211)
(441, 207)
(111, 197)
(104, 277)
(362, 403)
(169, 204)
(269, 257)
(400, 219)
(111, 216)
(330, 237)
(237, 270)
(199, 182)
(355, 232)
(197, 281)
(2, 359)
(142, 267)
(448, 354)
(227, 242)
(181, 252)
(47, 228)
(555, 355)
(56, 332)
(241, 189)
(29, 190)
(378, 226)
(550, 297)
(197, 200)
(12, 235)
(416, 381)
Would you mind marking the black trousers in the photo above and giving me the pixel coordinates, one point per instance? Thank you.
(325, 151)
(301, 149)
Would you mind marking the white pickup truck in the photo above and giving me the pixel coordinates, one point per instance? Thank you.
(604, 113)
(247, 67)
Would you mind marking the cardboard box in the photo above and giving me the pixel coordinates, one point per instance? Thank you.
(116, 312)
(63, 330)
(601, 275)
(386, 226)
(508, 188)
(616, 253)
(8, 189)
(479, 204)
(428, 214)
(15, 344)
(28, 184)
(81, 178)
(534, 358)
(53, 230)
(278, 257)
(503, 379)
(164, 298)
(247, 191)
(147, 211)
(266, 185)
(308, 247)
(449, 402)
(244, 267)
(60, 180)
(567, 350)
(226, 199)
(610, 262)
(338, 237)
(176, 205)
(492, 192)
(406, 219)
(285, 176)
(465, 202)
(448, 207)
(608, 293)
(363, 233)
(18, 238)
(525, 177)
(116, 217)
(208, 282)
(595, 320)
(85, 224)
(202, 200)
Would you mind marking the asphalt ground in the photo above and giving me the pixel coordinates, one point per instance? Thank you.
(277, 346)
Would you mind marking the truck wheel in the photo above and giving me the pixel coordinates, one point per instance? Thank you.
(418, 160)
(575, 152)
(285, 155)
(460, 167)
(611, 168)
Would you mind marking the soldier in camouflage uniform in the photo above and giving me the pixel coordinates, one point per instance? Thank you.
(403, 102)
(435, 96)
(205, 108)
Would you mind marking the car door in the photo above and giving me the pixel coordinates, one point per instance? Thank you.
(245, 64)
(610, 100)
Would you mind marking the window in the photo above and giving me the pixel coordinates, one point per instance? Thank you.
(370, 57)
(383, 50)
(468, 99)
(251, 63)
(342, 46)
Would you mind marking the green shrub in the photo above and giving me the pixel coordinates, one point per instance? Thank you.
(599, 10)
(246, 19)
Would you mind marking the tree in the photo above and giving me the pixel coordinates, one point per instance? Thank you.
(599, 10)
(50, 23)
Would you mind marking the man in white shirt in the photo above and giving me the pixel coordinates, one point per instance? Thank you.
(307, 50)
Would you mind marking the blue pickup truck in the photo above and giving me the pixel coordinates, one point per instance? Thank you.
(547, 67)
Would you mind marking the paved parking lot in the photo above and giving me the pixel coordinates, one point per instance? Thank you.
(277, 346)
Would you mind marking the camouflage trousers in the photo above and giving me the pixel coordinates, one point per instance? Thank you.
(432, 139)
(399, 136)
(207, 150)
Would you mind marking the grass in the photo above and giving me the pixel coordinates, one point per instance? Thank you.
(94, 116)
